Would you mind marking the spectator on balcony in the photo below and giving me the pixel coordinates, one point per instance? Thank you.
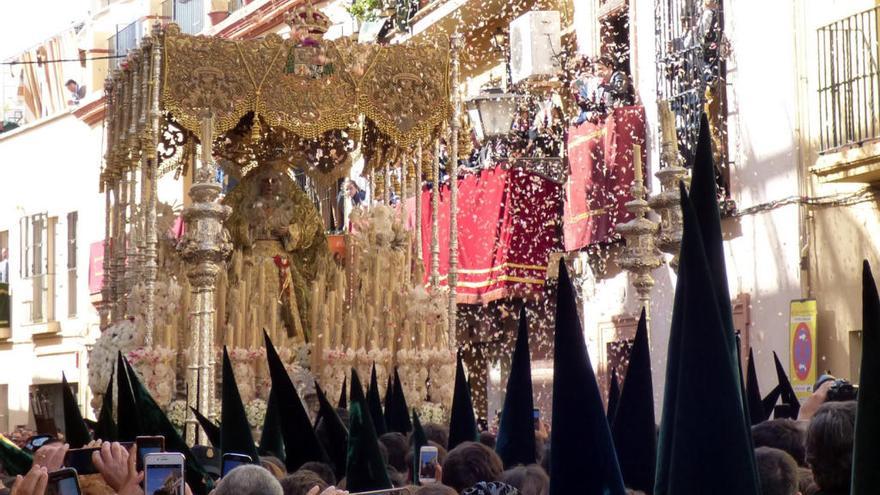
(77, 92)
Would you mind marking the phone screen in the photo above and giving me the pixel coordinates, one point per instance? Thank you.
(148, 445)
(81, 460)
(427, 464)
(536, 417)
(164, 479)
(230, 464)
(63, 482)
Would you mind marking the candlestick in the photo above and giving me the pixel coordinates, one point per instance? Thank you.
(637, 163)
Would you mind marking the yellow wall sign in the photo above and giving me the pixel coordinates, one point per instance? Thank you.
(802, 346)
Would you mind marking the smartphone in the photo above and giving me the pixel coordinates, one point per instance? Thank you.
(148, 445)
(428, 464)
(163, 474)
(81, 460)
(232, 461)
(536, 418)
(63, 482)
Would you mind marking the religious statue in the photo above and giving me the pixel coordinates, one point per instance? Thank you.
(280, 247)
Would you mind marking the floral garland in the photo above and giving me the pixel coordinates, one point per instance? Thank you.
(244, 365)
(413, 375)
(156, 368)
(176, 413)
(441, 365)
(431, 412)
(123, 336)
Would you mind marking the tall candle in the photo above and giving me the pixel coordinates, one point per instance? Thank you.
(637, 163)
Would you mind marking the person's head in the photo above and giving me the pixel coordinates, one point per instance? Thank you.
(830, 445)
(301, 481)
(487, 438)
(351, 188)
(324, 470)
(437, 433)
(435, 489)
(783, 434)
(603, 67)
(529, 480)
(490, 488)
(468, 464)
(249, 479)
(71, 85)
(273, 465)
(777, 471)
(396, 445)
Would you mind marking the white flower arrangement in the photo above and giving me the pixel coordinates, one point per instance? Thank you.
(156, 368)
(441, 385)
(256, 412)
(123, 336)
(244, 364)
(176, 413)
(337, 363)
(431, 412)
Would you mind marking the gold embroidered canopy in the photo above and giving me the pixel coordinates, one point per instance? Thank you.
(309, 90)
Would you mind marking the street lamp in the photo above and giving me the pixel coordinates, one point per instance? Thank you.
(494, 109)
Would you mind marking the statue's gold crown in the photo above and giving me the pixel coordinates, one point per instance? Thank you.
(308, 18)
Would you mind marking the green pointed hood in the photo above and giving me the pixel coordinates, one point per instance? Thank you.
(583, 457)
(613, 395)
(106, 427)
(462, 420)
(633, 428)
(515, 443)
(342, 403)
(235, 431)
(386, 402)
(76, 432)
(271, 438)
(153, 421)
(374, 402)
(398, 413)
(365, 469)
(866, 451)
(13, 459)
(128, 418)
(211, 429)
(336, 443)
(418, 439)
(705, 443)
(301, 445)
(753, 393)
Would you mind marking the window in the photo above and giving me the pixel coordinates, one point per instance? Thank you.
(71, 264)
(849, 81)
(691, 72)
(37, 263)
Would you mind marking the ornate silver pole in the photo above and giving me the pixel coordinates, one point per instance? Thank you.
(435, 226)
(205, 248)
(107, 184)
(122, 193)
(452, 165)
(151, 262)
(417, 186)
(133, 141)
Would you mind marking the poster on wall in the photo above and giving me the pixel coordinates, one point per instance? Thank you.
(802, 342)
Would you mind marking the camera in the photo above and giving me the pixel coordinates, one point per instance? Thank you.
(840, 391)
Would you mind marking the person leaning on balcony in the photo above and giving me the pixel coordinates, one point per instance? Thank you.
(77, 92)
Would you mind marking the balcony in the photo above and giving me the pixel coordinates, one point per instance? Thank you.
(188, 14)
(849, 99)
(124, 40)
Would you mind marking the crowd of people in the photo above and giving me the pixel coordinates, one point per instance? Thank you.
(714, 436)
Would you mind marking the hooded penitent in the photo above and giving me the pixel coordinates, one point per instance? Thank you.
(462, 420)
(365, 469)
(516, 435)
(235, 431)
(866, 452)
(76, 432)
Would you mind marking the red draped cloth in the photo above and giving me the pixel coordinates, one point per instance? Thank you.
(601, 171)
(507, 228)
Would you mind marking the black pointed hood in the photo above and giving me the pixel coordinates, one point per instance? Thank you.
(127, 417)
(866, 451)
(584, 461)
(374, 402)
(398, 413)
(336, 434)
(705, 443)
(633, 428)
(301, 445)
(76, 432)
(613, 395)
(235, 431)
(515, 443)
(342, 403)
(271, 438)
(789, 397)
(211, 429)
(365, 469)
(106, 427)
(462, 420)
(753, 392)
